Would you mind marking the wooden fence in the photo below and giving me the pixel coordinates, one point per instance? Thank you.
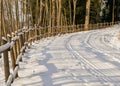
(18, 42)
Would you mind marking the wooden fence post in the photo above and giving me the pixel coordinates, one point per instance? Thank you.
(14, 48)
(6, 62)
(12, 57)
(20, 44)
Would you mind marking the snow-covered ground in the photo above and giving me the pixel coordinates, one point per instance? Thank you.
(90, 58)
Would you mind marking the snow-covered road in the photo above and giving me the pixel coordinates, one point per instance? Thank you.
(90, 58)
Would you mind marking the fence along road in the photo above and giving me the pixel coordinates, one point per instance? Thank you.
(17, 44)
(76, 59)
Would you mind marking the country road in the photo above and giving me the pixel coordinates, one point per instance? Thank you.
(80, 59)
(90, 58)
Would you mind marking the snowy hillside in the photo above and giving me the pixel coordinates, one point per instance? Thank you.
(90, 58)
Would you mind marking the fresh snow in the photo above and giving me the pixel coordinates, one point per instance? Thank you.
(88, 58)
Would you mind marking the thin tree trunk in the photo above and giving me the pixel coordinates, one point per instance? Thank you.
(25, 9)
(46, 9)
(74, 15)
(31, 18)
(70, 12)
(53, 15)
(11, 16)
(50, 19)
(87, 15)
(17, 14)
(74, 3)
(36, 16)
(23, 12)
(41, 9)
(0, 21)
(3, 22)
(59, 15)
(113, 12)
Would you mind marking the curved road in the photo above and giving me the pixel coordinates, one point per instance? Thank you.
(88, 58)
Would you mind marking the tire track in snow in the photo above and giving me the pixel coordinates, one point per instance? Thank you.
(111, 58)
(88, 65)
(102, 41)
(105, 78)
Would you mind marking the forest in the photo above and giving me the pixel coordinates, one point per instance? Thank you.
(16, 14)
(74, 11)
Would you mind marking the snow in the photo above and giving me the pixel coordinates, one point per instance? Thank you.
(89, 58)
(4, 47)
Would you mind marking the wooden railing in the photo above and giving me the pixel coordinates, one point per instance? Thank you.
(17, 43)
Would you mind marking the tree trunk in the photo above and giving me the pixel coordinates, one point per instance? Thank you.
(46, 9)
(3, 21)
(36, 16)
(0, 21)
(53, 15)
(59, 15)
(87, 15)
(11, 16)
(74, 3)
(70, 9)
(113, 12)
(17, 14)
(41, 9)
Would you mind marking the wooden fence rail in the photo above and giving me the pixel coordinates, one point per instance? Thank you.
(16, 44)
